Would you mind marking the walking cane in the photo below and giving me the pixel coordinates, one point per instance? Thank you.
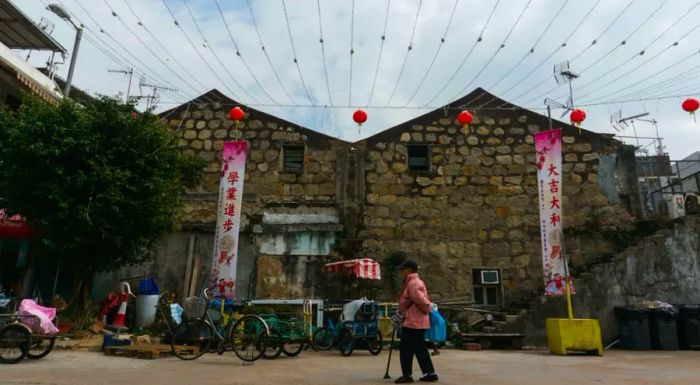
(391, 348)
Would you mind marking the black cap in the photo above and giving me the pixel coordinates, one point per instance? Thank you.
(408, 264)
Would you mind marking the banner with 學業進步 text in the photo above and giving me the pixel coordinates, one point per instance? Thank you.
(222, 278)
(549, 178)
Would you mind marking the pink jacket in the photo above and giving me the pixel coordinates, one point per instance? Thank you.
(414, 303)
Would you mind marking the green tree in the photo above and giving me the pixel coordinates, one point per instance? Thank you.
(99, 183)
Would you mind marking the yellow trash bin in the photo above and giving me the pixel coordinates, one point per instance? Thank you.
(574, 335)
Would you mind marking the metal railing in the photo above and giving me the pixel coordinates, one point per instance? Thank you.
(663, 194)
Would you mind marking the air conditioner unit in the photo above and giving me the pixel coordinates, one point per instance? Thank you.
(490, 277)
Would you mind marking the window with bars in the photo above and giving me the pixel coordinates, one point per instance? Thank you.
(293, 158)
(418, 157)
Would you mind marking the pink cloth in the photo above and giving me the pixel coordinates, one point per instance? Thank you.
(415, 303)
(45, 315)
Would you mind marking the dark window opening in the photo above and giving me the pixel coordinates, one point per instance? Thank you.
(418, 159)
(487, 287)
(293, 158)
(12, 102)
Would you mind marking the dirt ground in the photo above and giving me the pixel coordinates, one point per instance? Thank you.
(454, 367)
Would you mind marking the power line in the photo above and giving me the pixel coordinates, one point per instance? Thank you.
(381, 49)
(500, 47)
(352, 49)
(435, 56)
(546, 60)
(216, 57)
(323, 51)
(410, 48)
(294, 52)
(240, 55)
(673, 81)
(469, 53)
(267, 56)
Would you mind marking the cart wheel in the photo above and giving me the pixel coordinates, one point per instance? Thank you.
(274, 345)
(374, 345)
(14, 343)
(41, 347)
(323, 339)
(346, 342)
(249, 338)
(191, 339)
(292, 348)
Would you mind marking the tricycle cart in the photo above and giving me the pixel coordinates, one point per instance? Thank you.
(21, 336)
(288, 335)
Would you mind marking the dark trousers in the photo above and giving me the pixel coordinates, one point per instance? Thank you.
(413, 344)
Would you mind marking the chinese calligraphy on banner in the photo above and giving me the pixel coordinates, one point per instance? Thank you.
(223, 271)
(548, 149)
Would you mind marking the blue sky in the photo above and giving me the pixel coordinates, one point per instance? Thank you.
(616, 71)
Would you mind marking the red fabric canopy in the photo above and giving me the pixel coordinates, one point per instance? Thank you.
(13, 226)
(362, 268)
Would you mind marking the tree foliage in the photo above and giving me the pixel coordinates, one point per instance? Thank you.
(98, 182)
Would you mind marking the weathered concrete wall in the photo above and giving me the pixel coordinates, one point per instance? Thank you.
(477, 206)
(664, 266)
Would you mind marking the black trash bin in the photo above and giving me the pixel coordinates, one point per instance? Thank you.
(664, 333)
(689, 327)
(633, 324)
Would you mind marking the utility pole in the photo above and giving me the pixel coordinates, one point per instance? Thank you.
(130, 72)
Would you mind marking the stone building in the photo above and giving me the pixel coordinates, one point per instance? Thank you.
(458, 202)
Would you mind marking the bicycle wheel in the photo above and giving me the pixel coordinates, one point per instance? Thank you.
(292, 348)
(273, 349)
(346, 342)
(14, 343)
(374, 344)
(191, 339)
(249, 337)
(323, 339)
(41, 347)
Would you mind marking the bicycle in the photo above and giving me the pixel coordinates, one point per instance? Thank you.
(190, 338)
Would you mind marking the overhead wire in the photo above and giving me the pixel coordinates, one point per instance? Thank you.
(240, 55)
(352, 50)
(213, 52)
(294, 52)
(551, 54)
(381, 50)
(267, 56)
(469, 53)
(323, 52)
(435, 56)
(499, 49)
(408, 51)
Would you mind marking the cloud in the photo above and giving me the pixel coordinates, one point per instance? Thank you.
(624, 82)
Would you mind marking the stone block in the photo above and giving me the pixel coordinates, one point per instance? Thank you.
(472, 140)
(197, 144)
(568, 139)
(430, 191)
(479, 180)
(435, 129)
(264, 134)
(582, 147)
(214, 124)
(405, 137)
(503, 149)
(496, 180)
(533, 128)
(493, 141)
(387, 199)
(417, 137)
(255, 124)
(498, 130)
(482, 130)
(430, 137)
(200, 124)
(496, 250)
(444, 139)
(207, 145)
(570, 157)
(218, 145)
(189, 134)
(256, 156)
(504, 159)
(590, 157)
(372, 199)
(263, 167)
(516, 131)
(250, 134)
(417, 127)
(489, 121)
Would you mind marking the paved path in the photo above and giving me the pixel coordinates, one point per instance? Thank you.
(454, 367)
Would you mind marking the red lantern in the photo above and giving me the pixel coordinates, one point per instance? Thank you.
(236, 114)
(577, 116)
(359, 116)
(691, 105)
(464, 118)
(134, 114)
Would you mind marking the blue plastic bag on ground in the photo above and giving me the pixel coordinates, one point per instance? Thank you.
(438, 327)
(148, 287)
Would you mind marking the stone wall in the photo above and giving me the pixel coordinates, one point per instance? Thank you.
(477, 206)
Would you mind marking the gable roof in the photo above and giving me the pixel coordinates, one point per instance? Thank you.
(223, 101)
(482, 102)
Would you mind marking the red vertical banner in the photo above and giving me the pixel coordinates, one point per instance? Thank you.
(549, 178)
(223, 271)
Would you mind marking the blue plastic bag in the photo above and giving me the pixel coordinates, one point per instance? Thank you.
(438, 327)
(148, 287)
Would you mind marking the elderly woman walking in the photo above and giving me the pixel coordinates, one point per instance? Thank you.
(415, 305)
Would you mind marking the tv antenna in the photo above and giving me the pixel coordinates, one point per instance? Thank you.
(620, 124)
(154, 97)
(45, 25)
(129, 72)
(562, 74)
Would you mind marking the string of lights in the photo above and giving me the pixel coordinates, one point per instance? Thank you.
(213, 52)
(323, 51)
(267, 56)
(469, 53)
(499, 49)
(294, 52)
(408, 51)
(381, 50)
(239, 54)
(435, 56)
